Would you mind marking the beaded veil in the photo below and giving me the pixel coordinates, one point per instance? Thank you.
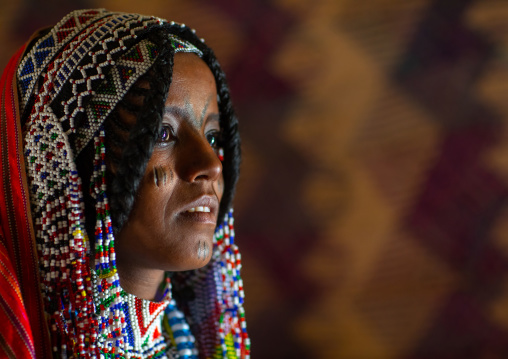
(69, 82)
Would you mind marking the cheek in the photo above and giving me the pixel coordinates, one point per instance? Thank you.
(218, 187)
(153, 194)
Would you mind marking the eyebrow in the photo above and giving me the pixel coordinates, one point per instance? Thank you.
(177, 111)
(187, 113)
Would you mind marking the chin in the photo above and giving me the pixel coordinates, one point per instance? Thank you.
(204, 250)
(196, 253)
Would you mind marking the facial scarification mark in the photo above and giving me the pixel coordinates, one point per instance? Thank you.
(203, 251)
(206, 250)
(189, 110)
(159, 176)
(199, 250)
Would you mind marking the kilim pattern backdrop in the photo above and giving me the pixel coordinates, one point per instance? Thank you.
(372, 208)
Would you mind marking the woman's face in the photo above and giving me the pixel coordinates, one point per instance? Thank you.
(173, 219)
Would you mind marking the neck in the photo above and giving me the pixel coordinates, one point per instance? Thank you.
(143, 283)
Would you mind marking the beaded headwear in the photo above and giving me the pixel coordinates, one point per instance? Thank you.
(69, 83)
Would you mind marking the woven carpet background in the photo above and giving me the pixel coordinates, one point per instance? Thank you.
(372, 209)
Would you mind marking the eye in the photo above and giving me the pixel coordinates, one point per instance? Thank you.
(214, 138)
(166, 134)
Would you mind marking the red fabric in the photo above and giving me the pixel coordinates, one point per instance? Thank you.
(23, 333)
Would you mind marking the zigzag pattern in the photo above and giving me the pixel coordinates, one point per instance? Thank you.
(143, 323)
(65, 66)
(46, 47)
(116, 84)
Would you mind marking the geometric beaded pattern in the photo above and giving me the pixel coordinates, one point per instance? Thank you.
(141, 329)
(55, 192)
(152, 330)
(47, 46)
(180, 45)
(145, 324)
(82, 65)
(84, 77)
(115, 85)
(57, 201)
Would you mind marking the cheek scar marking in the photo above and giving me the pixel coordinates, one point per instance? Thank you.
(159, 176)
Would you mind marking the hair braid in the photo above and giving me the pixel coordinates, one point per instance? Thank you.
(124, 176)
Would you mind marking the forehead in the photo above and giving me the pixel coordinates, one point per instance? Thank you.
(191, 77)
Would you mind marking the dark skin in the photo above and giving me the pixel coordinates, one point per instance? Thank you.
(172, 222)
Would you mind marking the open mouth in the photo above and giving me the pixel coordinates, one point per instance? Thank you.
(204, 209)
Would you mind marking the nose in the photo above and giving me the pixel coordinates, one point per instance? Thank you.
(197, 160)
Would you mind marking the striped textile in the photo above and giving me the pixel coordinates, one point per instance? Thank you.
(23, 332)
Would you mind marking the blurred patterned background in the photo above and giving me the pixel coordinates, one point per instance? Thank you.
(372, 210)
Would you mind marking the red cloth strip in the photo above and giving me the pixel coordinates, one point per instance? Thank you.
(25, 332)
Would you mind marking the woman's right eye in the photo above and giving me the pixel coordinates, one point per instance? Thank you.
(166, 134)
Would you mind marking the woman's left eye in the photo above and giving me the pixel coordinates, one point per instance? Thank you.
(166, 134)
(214, 138)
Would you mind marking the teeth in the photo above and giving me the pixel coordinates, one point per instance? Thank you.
(199, 209)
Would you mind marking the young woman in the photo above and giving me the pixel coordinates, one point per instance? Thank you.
(120, 155)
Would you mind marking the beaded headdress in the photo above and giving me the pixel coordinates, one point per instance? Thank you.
(70, 81)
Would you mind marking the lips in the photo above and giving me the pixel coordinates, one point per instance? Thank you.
(203, 209)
